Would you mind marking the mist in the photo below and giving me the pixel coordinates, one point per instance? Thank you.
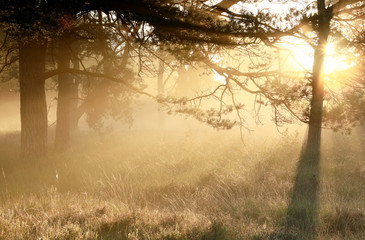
(204, 120)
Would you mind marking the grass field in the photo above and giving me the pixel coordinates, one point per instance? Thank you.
(133, 185)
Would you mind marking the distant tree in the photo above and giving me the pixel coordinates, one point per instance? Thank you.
(113, 48)
(90, 39)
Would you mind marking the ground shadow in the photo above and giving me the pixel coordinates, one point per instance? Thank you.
(302, 214)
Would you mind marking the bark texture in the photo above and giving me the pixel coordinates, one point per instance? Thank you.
(33, 106)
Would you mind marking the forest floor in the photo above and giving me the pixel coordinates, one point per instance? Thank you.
(134, 185)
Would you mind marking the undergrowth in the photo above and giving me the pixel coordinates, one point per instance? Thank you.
(164, 186)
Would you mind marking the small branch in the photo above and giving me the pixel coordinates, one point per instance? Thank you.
(5, 38)
(98, 75)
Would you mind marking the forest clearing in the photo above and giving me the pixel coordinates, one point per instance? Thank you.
(178, 186)
(182, 119)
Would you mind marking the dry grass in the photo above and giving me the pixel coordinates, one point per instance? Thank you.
(176, 186)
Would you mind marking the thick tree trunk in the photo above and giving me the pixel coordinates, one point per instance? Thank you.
(33, 106)
(65, 82)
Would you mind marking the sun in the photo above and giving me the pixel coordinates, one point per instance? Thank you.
(334, 62)
(296, 55)
(301, 54)
(301, 57)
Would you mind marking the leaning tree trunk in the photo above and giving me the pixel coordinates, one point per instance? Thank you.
(65, 82)
(33, 106)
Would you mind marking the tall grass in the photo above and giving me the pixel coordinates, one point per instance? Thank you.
(130, 185)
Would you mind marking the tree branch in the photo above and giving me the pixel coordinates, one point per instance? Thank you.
(52, 73)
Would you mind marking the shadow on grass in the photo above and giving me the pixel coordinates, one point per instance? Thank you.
(302, 214)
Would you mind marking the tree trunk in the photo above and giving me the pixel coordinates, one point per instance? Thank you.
(65, 82)
(315, 116)
(303, 207)
(33, 106)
